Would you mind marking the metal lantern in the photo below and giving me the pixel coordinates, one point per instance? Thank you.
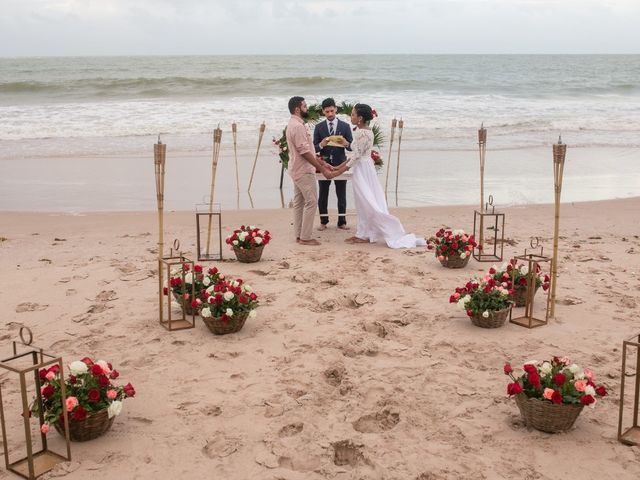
(26, 362)
(208, 212)
(175, 258)
(631, 435)
(534, 262)
(484, 222)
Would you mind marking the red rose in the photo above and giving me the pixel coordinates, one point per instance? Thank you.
(129, 391)
(559, 379)
(48, 391)
(470, 313)
(103, 380)
(165, 291)
(529, 368)
(72, 379)
(556, 397)
(186, 267)
(492, 271)
(587, 400)
(253, 296)
(507, 369)
(114, 374)
(87, 361)
(93, 395)
(197, 268)
(54, 369)
(453, 299)
(79, 413)
(534, 380)
(242, 299)
(96, 370)
(522, 281)
(43, 373)
(514, 389)
(194, 304)
(213, 271)
(601, 391)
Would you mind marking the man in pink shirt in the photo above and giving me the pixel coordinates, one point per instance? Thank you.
(303, 164)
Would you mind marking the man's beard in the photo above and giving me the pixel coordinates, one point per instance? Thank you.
(304, 114)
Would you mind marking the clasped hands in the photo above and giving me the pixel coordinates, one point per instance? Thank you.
(329, 171)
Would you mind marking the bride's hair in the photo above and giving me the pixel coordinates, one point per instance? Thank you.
(363, 110)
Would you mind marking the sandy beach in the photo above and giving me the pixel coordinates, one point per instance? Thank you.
(356, 367)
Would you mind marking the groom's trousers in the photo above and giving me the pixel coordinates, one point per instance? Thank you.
(305, 199)
(323, 199)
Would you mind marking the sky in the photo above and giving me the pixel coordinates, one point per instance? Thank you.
(230, 27)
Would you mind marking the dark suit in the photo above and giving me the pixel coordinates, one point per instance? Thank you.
(335, 156)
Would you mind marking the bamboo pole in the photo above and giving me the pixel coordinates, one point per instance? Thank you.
(217, 139)
(234, 131)
(393, 131)
(400, 128)
(482, 146)
(559, 153)
(159, 157)
(255, 160)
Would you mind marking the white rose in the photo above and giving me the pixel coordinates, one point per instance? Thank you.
(206, 281)
(205, 312)
(546, 368)
(235, 283)
(589, 390)
(210, 289)
(466, 299)
(485, 314)
(524, 269)
(188, 278)
(258, 240)
(580, 376)
(115, 408)
(246, 288)
(463, 255)
(229, 312)
(235, 242)
(575, 369)
(228, 296)
(211, 299)
(78, 368)
(253, 314)
(242, 236)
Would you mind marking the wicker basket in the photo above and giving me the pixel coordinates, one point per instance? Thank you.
(91, 427)
(494, 320)
(186, 305)
(220, 327)
(249, 255)
(520, 295)
(455, 262)
(546, 416)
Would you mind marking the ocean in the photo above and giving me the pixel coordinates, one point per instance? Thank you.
(89, 108)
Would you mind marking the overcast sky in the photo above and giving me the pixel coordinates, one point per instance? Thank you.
(141, 27)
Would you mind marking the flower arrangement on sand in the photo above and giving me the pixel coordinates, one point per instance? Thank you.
(452, 247)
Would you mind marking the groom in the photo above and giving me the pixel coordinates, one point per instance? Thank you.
(335, 156)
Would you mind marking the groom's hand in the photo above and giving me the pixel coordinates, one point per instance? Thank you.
(323, 142)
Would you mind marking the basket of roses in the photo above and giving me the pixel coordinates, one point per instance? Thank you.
(227, 305)
(453, 248)
(199, 279)
(92, 399)
(514, 276)
(552, 394)
(247, 243)
(486, 302)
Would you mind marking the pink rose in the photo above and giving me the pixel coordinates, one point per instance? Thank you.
(548, 393)
(72, 402)
(580, 385)
(588, 373)
(44, 428)
(50, 376)
(441, 258)
(112, 394)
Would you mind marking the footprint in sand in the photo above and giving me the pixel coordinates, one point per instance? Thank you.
(377, 422)
(345, 452)
(30, 307)
(291, 429)
(335, 374)
(221, 445)
(376, 328)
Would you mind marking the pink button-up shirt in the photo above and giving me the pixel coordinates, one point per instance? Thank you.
(299, 142)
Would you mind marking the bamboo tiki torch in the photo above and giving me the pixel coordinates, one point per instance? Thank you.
(217, 139)
(159, 156)
(400, 128)
(234, 131)
(255, 160)
(482, 146)
(559, 153)
(393, 131)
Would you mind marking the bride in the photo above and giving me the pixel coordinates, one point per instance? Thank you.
(375, 223)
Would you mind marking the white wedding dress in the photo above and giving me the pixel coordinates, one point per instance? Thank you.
(375, 223)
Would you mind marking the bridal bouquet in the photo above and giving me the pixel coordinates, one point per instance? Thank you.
(557, 381)
(89, 390)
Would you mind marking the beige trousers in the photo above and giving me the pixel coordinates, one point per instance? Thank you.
(305, 202)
